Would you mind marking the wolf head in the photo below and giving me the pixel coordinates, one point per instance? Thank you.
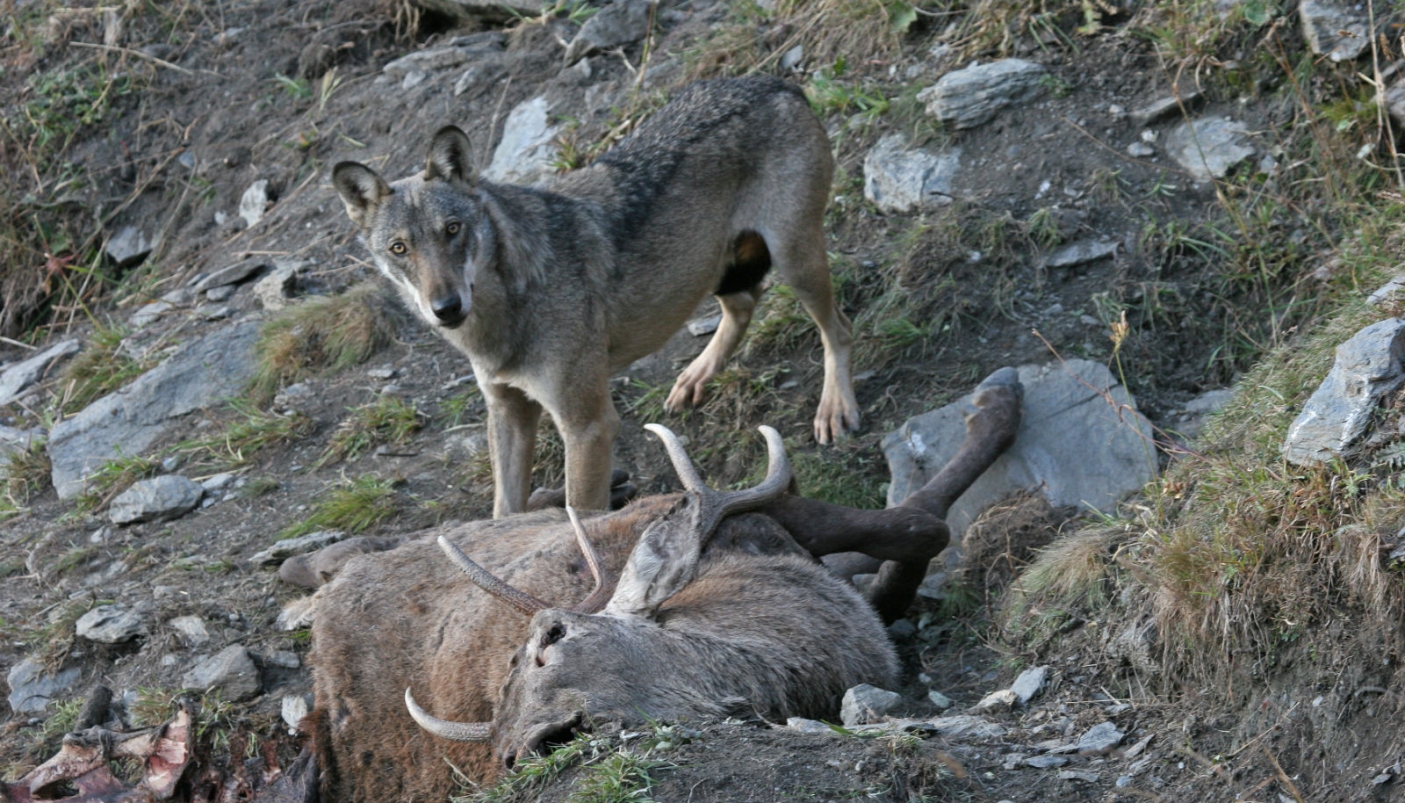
(430, 233)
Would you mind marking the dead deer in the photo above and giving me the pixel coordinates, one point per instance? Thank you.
(720, 605)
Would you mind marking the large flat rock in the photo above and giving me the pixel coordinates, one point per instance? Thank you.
(128, 421)
(1081, 441)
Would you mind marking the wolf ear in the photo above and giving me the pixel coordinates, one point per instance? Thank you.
(449, 157)
(360, 188)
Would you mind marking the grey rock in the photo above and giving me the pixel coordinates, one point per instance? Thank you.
(1141, 150)
(217, 482)
(1190, 420)
(902, 629)
(147, 314)
(1337, 30)
(1155, 112)
(282, 550)
(192, 629)
(1074, 444)
(1045, 762)
(240, 271)
(899, 179)
(158, 499)
(254, 202)
(1209, 147)
(293, 396)
(1099, 739)
(527, 148)
(205, 370)
(619, 22)
(485, 9)
(295, 707)
(1395, 103)
(111, 624)
(413, 79)
(14, 440)
(1367, 367)
(965, 727)
(1087, 776)
(807, 725)
(939, 700)
(31, 688)
(1384, 294)
(384, 372)
(218, 294)
(427, 61)
(278, 288)
(865, 704)
(704, 326)
(22, 375)
(230, 670)
(1080, 252)
(214, 312)
(1029, 683)
(179, 297)
(972, 96)
(997, 701)
(130, 245)
(286, 659)
(792, 58)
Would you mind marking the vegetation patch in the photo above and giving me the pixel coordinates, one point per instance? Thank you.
(250, 431)
(385, 420)
(352, 508)
(99, 369)
(324, 334)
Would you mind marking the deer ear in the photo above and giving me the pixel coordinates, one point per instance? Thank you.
(663, 562)
(449, 156)
(361, 190)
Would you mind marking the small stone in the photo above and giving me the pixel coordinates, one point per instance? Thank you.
(704, 326)
(282, 550)
(965, 727)
(791, 58)
(528, 146)
(192, 630)
(1078, 775)
(618, 23)
(146, 314)
(972, 96)
(295, 707)
(231, 670)
(293, 396)
(22, 375)
(1188, 99)
(1123, 781)
(1099, 739)
(1210, 147)
(902, 629)
(111, 624)
(1141, 150)
(900, 179)
(938, 699)
(239, 272)
(384, 372)
(1081, 252)
(998, 700)
(1367, 367)
(865, 704)
(1334, 28)
(130, 245)
(166, 497)
(255, 202)
(807, 725)
(217, 482)
(1029, 683)
(1045, 762)
(179, 297)
(218, 294)
(275, 290)
(283, 658)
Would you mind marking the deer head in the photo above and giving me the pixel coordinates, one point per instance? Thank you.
(619, 658)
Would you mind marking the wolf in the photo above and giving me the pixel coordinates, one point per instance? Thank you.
(550, 291)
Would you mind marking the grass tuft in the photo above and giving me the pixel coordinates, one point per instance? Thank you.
(352, 508)
(330, 334)
(98, 370)
(385, 420)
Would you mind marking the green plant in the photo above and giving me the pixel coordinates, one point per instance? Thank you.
(828, 95)
(114, 477)
(387, 419)
(297, 88)
(251, 431)
(353, 507)
(331, 333)
(98, 370)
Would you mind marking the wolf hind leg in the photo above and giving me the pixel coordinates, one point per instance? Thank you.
(691, 386)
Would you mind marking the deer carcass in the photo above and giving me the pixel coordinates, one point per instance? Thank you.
(720, 605)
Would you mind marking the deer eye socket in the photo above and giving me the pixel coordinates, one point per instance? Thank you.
(453, 228)
(398, 248)
(555, 634)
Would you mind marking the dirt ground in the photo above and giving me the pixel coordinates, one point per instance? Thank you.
(214, 113)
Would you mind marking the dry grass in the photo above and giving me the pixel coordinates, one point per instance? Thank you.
(331, 333)
(99, 369)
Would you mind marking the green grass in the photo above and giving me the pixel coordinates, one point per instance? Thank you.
(114, 477)
(250, 431)
(385, 420)
(98, 370)
(25, 472)
(601, 770)
(323, 334)
(352, 508)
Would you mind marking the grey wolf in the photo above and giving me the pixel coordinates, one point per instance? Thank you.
(550, 291)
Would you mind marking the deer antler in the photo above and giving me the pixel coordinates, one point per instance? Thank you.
(601, 593)
(666, 558)
(443, 728)
(484, 579)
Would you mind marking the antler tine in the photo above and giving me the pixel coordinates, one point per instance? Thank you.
(682, 464)
(481, 577)
(778, 476)
(443, 728)
(598, 595)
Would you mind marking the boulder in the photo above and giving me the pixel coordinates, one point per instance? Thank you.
(1367, 367)
(901, 179)
(973, 96)
(126, 422)
(157, 499)
(1081, 442)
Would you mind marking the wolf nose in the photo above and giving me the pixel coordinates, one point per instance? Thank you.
(447, 308)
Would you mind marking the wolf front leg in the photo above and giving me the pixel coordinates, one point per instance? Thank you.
(512, 437)
(588, 423)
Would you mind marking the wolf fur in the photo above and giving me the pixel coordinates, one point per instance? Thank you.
(550, 291)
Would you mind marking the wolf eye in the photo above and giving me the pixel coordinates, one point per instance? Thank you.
(398, 248)
(453, 228)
